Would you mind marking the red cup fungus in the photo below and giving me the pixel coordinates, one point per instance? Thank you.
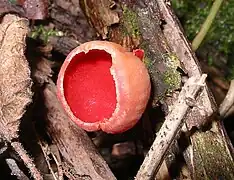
(103, 87)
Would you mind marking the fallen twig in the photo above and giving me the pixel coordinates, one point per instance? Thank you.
(44, 150)
(27, 160)
(170, 127)
(15, 170)
(228, 101)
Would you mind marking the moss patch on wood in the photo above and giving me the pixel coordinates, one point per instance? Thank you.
(219, 165)
(130, 21)
(171, 76)
(172, 79)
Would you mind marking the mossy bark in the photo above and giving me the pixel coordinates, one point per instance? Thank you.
(211, 160)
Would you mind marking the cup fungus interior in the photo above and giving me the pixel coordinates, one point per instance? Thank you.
(89, 87)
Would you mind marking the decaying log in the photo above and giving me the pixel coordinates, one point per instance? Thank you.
(180, 45)
(63, 44)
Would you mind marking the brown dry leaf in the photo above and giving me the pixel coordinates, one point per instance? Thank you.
(15, 81)
(15, 84)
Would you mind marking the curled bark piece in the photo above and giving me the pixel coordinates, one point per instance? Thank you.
(214, 145)
(15, 81)
(228, 102)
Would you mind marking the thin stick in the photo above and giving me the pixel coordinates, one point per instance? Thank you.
(229, 112)
(15, 170)
(170, 128)
(47, 159)
(206, 25)
(27, 160)
(60, 171)
(228, 101)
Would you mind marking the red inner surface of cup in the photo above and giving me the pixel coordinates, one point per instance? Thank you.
(89, 88)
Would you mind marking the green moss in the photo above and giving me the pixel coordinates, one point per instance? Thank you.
(171, 76)
(219, 164)
(220, 36)
(147, 61)
(210, 60)
(44, 33)
(13, 1)
(171, 60)
(130, 21)
(148, 56)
